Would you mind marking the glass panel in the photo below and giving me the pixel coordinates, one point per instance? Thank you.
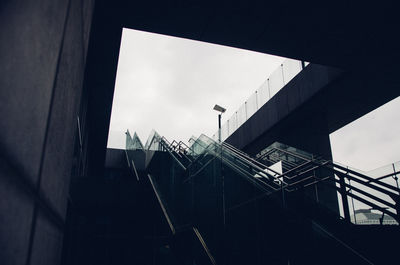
(232, 124)
(276, 81)
(252, 105)
(224, 131)
(263, 94)
(290, 69)
(128, 140)
(135, 143)
(152, 142)
(241, 115)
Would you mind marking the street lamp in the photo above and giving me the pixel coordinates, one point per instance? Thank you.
(221, 110)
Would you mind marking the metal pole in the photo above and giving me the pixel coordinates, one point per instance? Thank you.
(395, 177)
(345, 202)
(219, 127)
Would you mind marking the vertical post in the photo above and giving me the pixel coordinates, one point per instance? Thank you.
(245, 111)
(256, 100)
(223, 210)
(395, 177)
(303, 64)
(283, 194)
(236, 124)
(315, 185)
(352, 203)
(345, 202)
(397, 199)
(219, 127)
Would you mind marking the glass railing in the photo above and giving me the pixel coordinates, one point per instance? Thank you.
(133, 143)
(208, 149)
(275, 82)
(216, 186)
(362, 196)
(153, 143)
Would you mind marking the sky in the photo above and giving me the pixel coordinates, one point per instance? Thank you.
(171, 85)
(371, 141)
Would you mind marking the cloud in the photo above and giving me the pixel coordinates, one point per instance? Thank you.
(171, 84)
(371, 141)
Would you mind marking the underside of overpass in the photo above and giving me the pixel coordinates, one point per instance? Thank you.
(316, 103)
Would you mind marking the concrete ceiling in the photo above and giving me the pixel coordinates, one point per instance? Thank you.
(337, 33)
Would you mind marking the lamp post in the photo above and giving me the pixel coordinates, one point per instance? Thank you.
(222, 187)
(221, 110)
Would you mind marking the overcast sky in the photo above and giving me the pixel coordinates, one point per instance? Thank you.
(371, 141)
(171, 85)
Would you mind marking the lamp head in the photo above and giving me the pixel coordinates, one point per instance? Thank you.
(219, 108)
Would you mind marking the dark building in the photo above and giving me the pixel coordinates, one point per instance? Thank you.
(58, 63)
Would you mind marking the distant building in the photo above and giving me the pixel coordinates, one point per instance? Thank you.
(367, 217)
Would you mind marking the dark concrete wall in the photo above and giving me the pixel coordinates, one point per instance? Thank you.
(100, 77)
(43, 48)
(116, 158)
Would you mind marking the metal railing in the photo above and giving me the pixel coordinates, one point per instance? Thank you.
(349, 183)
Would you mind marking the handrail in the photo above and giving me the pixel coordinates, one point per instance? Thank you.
(307, 170)
(382, 190)
(134, 170)
(250, 177)
(249, 167)
(373, 197)
(374, 206)
(255, 164)
(370, 196)
(368, 184)
(232, 148)
(204, 245)
(182, 143)
(127, 157)
(367, 178)
(176, 159)
(171, 226)
(131, 163)
(386, 176)
(367, 198)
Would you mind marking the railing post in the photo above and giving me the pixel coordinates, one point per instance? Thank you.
(283, 195)
(397, 198)
(345, 202)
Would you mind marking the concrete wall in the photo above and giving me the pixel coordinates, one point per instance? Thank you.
(286, 115)
(43, 47)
